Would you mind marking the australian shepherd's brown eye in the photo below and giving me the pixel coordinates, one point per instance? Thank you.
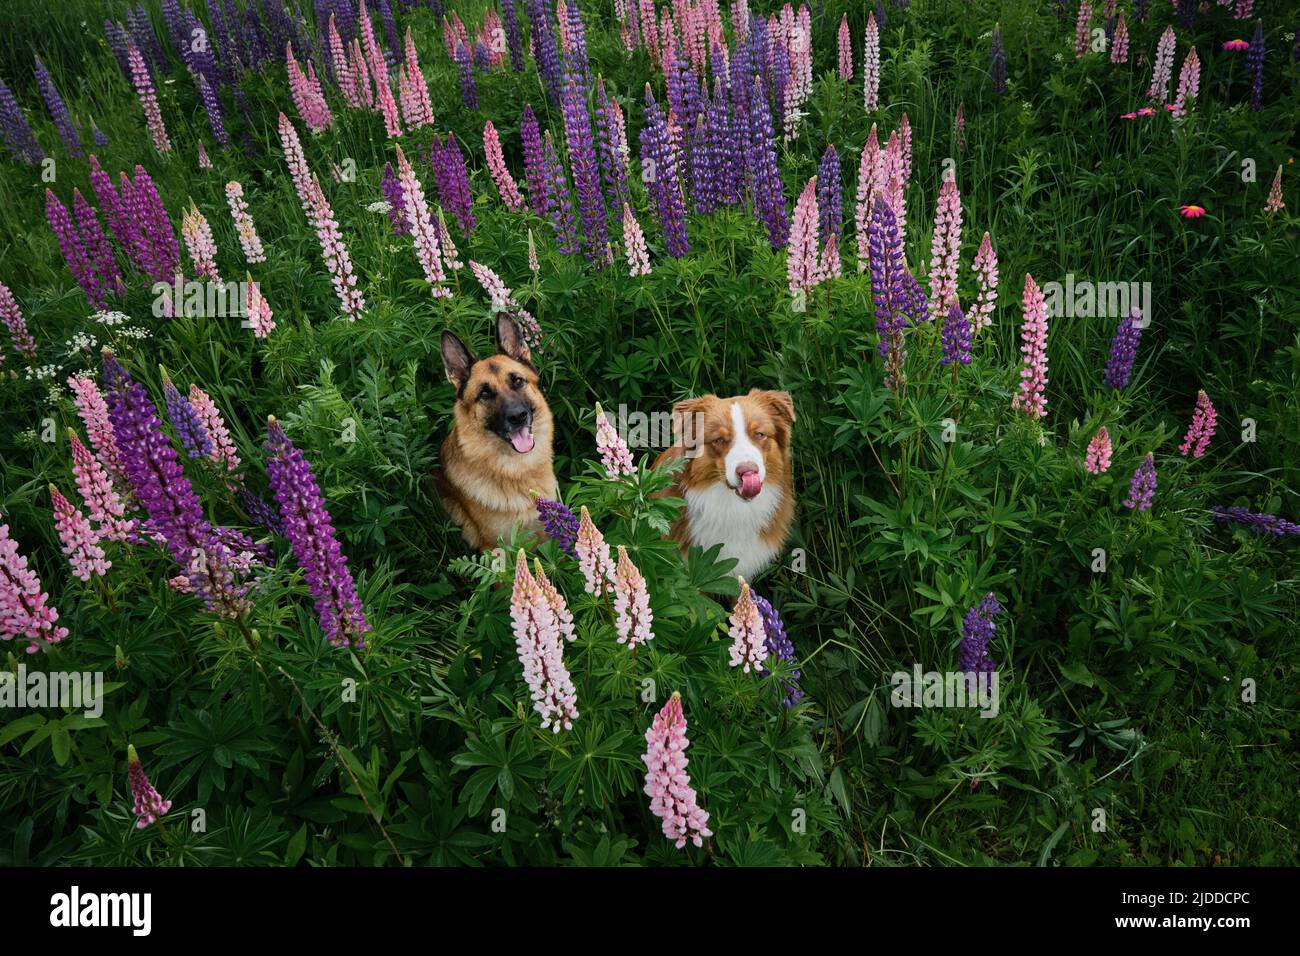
(516, 382)
(759, 436)
(720, 441)
(484, 393)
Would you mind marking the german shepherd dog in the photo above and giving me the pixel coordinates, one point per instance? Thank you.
(499, 448)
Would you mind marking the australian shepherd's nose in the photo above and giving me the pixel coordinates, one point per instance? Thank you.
(736, 477)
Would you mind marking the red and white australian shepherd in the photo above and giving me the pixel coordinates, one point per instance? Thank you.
(736, 477)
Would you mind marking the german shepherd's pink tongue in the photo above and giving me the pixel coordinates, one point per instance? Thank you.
(522, 440)
(750, 485)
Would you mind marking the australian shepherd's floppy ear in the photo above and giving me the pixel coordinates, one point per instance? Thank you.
(736, 477)
(499, 448)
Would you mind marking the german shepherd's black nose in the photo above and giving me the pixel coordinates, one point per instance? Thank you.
(517, 416)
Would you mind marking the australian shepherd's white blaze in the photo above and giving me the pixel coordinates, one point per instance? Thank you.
(736, 477)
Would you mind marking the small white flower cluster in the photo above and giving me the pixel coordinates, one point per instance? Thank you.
(381, 206)
(81, 342)
(111, 318)
(55, 394)
(137, 332)
(39, 373)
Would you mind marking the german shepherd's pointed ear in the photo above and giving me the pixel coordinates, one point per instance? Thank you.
(510, 341)
(456, 361)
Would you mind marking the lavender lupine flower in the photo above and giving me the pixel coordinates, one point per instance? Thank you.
(212, 106)
(955, 337)
(58, 110)
(1142, 488)
(545, 50)
(511, 23)
(18, 135)
(563, 220)
(780, 647)
(576, 58)
(1255, 64)
(74, 252)
(452, 179)
(672, 798)
(536, 173)
(830, 207)
(12, 316)
(193, 435)
(768, 195)
(309, 529)
(1123, 350)
(559, 523)
(888, 287)
(97, 135)
(144, 37)
(976, 633)
(998, 62)
(1258, 523)
(659, 168)
(393, 196)
(468, 88)
(1162, 71)
(611, 141)
(148, 804)
(116, 36)
(586, 171)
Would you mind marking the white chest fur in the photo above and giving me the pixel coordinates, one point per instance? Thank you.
(717, 515)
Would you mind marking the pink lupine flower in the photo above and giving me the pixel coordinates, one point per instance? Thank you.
(93, 410)
(248, 237)
(1201, 430)
(204, 162)
(539, 644)
(148, 98)
(869, 171)
(257, 309)
(594, 559)
(672, 798)
(986, 275)
(149, 805)
(423, 106)
(22, 340)
(96, 488)
(308, 97)
(845, 44)
(871, 66)
(424, 231)
(223, 449)
(1099, 451)
(1242, 9)
(638, 256)
(893, 182)
(1119, 45)
(343, 74)
(614, 453)
(945, 249)
(632, 614)
(748, 635)
(802, 263)
(1032, 397)
(360, 75)
(24, 608)
(388, 109)
(450, 257)
(505, 183)
(1081, 29)
(80, 542)
(1189, 82)
(1274, 202)
(563, 616)
(1164, 65)
(905, 149)
(374, 55)
(503, 301)
(199, 242)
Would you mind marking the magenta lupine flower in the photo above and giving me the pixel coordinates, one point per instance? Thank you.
(672, 798)
(955, 337)
(79, 539)
(1032, 397)
(12, 316)
(638, 257)
(157, 237)
(1081, 29)
(149, 805)
(74, 250)
(1142, 488)
(422, 227)
(868, 186)
(452, 179)
(309, 529)
(1119, 44)
(257, 310)
(614, 453)
(830, 210)
(199, 242)
(58, 110)
(1274, 202)
(594, 559)
(1097, 460)
(98, 251)
(559, 522)
(94, 415)
(248, 237)
(1162, 72)
(986, 276)
(144, 89)
(1201, 430)
(505, 183)
(632, 615)
(539, 644)
(845, 45)
(802, 262)
(748, 636)
(17, 133)
(214, 426)
(1123, 350)
(25, 610)
(945, 249)
(189, 427)
(1189, 82)
(102, 500)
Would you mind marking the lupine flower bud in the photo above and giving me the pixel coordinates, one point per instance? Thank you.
(1274, 202)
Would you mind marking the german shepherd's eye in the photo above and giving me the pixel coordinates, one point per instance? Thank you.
(485, 392)
(516, 381)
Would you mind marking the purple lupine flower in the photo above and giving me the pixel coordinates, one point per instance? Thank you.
(559, 523)
(955, 337)
(98, 251)
(119, 223)
(1258, 523)
(535, 171)
(915, 304)
(259, 511)
(768, 193)
(1142, 488)
(830, 206)
(174, 20)
(1186, 12)
(212, 106)
(18, 135)
(511, 23)
(394, 51)
(116, 37)
(142, 33)
(611, 141)
(576, 61)
(586, 172)
(1255, 64)
(561, 202)
(781, 647)
(310, 531)
(393, 195)
(998, 62)
(481, 59)
(194, 437)
(97, 135)
(74, 251)
(160, 485)
(452, 180)
(977, 630)
(157, 229)
(545, 49)
(1123, 350)
(468, 88)
(702, 174)
(888, 283)
(58, 110)
(1140, 9)
(659, 164)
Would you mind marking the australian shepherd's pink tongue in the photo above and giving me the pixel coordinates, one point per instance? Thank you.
(522, 440)
(750, 484)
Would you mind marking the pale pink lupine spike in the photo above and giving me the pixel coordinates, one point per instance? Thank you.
(259, 315)
(1032, 396)
(144, 89)
(80, 541)
(1201, 430)
(200, 244)
(748, 635)
(1189, 83)
(980, 315)
(614, 453)
(249, 240)
(424, 231)
(1163, 68)
(450, 257)
(93, 410)
(539, 642)
(1097, 460)
(505, 183)
(945, 249)
(633, 618)
(1274, 202)
(634, 246)
(563, 616)
(419, 89)
(104, 504)
(871, 66)
(672, 798)
(594, 559)
(844, 45)
(868, 185)
(25, 611)
(802, 261)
